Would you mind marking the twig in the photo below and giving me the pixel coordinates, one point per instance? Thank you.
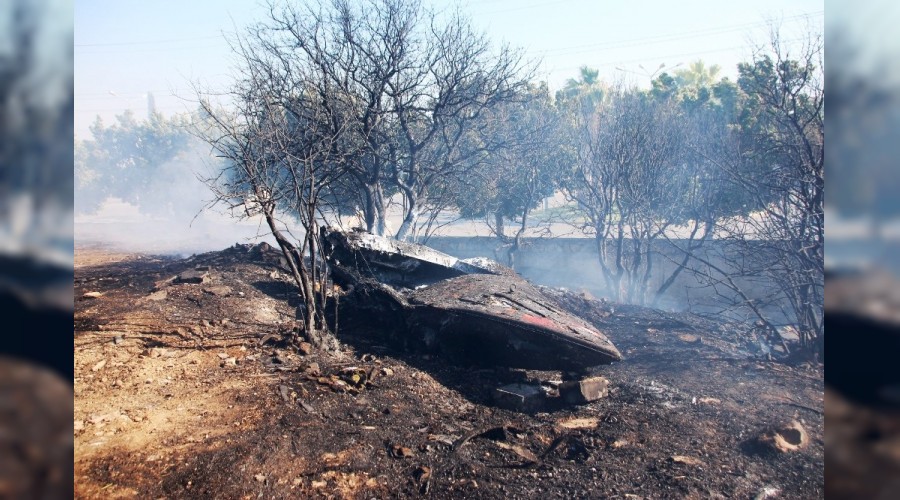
(798, 405)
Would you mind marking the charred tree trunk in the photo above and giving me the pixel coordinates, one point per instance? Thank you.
(370, 212)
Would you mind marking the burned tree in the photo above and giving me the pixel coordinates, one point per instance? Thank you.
(522, 166)
(410, 85)
(438, 107)
(278, 143)
(774, 152)
(627, 183)
(706, 196)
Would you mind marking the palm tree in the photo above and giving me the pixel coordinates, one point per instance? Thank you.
(588, 87)
(697, 75)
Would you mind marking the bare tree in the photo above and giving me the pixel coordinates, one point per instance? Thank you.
(409, 85)
(522, 166)
(279, 146)
(628, 184)
(775, 153)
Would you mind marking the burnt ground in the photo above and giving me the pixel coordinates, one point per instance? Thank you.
(193, 391)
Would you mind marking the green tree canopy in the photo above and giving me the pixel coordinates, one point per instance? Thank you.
(124, 159)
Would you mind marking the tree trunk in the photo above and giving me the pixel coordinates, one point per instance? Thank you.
(374, 210)
(499, 226)
(410, 215)
(370, 211)
(517, 241)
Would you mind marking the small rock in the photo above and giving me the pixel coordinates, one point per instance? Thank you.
(229, 362)
(99, 366)
(387, 371)
(520, 397)
(193, 277)
(205, 323)
(313, 369)
(260, 478)
(285, 392)
(118, 339)
(683, 459)
(158, 295)
(223, 355)
(218, 290)
(78, 426)
(398, 451)
(305, 348)
(92, 295)
(585, 390)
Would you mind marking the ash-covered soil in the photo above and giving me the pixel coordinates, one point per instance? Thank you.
(195, 390)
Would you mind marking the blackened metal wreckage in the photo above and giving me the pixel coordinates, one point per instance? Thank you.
(472, 309)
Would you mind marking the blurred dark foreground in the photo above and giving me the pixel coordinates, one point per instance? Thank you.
(36, 122)
(862, 290)
(862, 399)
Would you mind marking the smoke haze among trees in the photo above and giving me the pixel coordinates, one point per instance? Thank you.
(364, 108)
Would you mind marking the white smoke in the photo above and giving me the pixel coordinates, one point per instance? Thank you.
(173, 217)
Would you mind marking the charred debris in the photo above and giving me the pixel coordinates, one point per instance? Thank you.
(473, 311)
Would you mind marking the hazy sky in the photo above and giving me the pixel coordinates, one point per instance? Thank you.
(127, 48)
